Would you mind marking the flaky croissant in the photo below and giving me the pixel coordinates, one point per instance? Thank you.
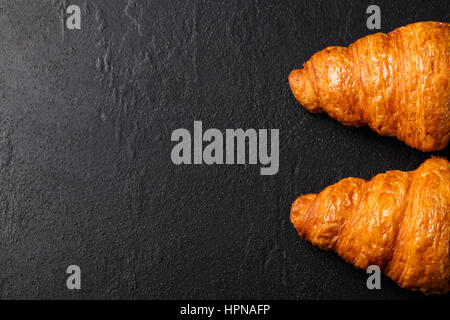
(399, 221)
(396, 83)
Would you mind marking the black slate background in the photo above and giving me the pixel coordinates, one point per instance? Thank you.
(85, 124)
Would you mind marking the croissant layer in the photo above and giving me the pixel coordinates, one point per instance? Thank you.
(398, 220)
(396, 83)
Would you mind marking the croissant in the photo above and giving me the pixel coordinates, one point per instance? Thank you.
(399, 221)
(396, 83)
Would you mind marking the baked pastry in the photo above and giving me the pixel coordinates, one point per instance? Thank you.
(396, 83)
(399, 221)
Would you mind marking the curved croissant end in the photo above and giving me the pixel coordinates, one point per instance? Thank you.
(396, 83)
(398, 220)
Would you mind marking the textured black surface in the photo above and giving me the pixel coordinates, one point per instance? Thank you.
(85, 169)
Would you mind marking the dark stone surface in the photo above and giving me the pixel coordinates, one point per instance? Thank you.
(85, 169)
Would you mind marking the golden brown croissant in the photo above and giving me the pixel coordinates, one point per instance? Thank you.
(396, 83)
(399, 221)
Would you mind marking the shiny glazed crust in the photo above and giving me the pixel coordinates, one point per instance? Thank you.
(396, 83)
(399, 221)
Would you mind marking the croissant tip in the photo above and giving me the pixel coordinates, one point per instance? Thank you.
(303, 91)
(299, 207)
(293, 78)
